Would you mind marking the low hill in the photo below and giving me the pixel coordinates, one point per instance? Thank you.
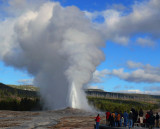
(18, 98)
(29, 90)
(10, 90)
(122, 101)
(124, 96)
(13, 97)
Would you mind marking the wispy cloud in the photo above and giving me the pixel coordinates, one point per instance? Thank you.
(137, 76)
(94, 87)
(137, 91)
(130, 64)
(139, 73)
(25, 82)
(145, 42)
(131, 91)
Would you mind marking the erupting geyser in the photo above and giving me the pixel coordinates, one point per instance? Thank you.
(59, 46)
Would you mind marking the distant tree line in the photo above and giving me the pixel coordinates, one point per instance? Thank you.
(119, 105)
(25, 104)
(18, 99)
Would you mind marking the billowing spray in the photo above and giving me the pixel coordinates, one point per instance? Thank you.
(60, 47)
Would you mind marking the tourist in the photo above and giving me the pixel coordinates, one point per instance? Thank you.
(112, 119)
(147, 119)
(107, 117)
(141, 116)
(157, 120)
(119, 120)
(151, 121)
(134, 115)
(97, 121)
(130, 120)
(125, 116)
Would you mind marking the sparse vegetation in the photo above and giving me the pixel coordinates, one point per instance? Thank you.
(18, 99)
(104, 104)
(25, 87)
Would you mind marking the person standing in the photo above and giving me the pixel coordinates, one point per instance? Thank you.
(107, 117)
(134, 116)
(112, 119)
(130, 119)
(151, 121)
(157, 120)
(97, 121)
(141, 116)
(119, 120)
(115, 120)
(147, 119)
(125, 116)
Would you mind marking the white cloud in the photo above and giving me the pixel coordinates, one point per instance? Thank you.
(19, 7)
(6, 36)
(131, 64)
(92, 87)
(120, 26)
(25, 81)
(131, 91)
(145, 42)
(137, 91)
(17, 3)
(141, 73)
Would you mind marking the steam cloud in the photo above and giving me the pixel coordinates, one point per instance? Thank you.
(59, 46)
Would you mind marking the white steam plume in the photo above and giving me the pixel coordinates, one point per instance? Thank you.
(60, 47)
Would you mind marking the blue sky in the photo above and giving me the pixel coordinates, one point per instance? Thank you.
(132, 45)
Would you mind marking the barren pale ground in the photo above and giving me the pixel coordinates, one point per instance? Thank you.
(60, 119)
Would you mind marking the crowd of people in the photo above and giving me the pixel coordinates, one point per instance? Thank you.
(134, 117)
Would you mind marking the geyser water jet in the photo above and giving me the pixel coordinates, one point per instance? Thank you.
(73, 97)
(60, 47)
